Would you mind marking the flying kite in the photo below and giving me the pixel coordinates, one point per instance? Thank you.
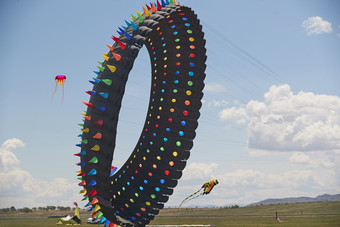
(71, 220)
(134, 194)
(59, 80)
(205, 190)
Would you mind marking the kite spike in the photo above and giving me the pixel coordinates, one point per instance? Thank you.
(146, 12)
(128, 36)
(81, 174)
(94, 160)
(82, 191)
(108, 82)
(88, 92)
(84, 141)
(119, 33)
(117, 56)
(134, 26)
(92, 172)
(88, 104)
(93, 192)
(133, 17)
(94, 200)
(139, 13)
(110, 47)
(91, 92)
(96, 208)
(112, 68)
(101, 108)
(107, 223)
(100, 68)
(122, 45)
(101, 63)
(95, 148)
(159, 5)
(85, 198)
(87, 118)
(82, 183)
(148, 7)
(84, 114)
(123, 27)
(167, 2)
(77, 154)
(96, 80)
(85, 130)
(96, 72)
(175, 2)
(98, 136)
(92, 183)
(92, 82)
(154, 10)
(141, 20)
(171, 2)
(105, 95)
(99, 122)
(78, 171)
(99, 214)
(163, 3)
(127, 23)
(102, 220)
(106, 57)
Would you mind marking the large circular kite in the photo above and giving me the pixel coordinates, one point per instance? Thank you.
(134, 195)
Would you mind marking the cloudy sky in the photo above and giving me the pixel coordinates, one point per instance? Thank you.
(270, 120)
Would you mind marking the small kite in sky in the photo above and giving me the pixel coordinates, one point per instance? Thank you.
(59, 80)
(206, 187)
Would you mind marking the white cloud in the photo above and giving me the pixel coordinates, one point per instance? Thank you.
(300, 158)
(238, 115)
(206, 171)
(289, 122)
(214, 87)
(316, 25)
(7, 159)
(19, 188)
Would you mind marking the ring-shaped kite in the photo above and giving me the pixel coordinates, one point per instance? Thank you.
(134, 195)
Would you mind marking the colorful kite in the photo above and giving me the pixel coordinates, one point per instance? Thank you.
(139, 189)
(71, 220)
(59, 80)
(206, 187)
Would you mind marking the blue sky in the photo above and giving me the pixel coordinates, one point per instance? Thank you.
(269, 125)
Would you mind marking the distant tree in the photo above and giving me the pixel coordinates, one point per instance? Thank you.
(50, 208)
(13, 209)
(26, 210)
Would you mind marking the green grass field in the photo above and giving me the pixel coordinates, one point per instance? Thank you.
(321, 214)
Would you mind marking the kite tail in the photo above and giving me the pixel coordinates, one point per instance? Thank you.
(190, 197)
(55, 90)
(62, 99)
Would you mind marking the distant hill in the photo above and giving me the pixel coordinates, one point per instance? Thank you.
(320, 198)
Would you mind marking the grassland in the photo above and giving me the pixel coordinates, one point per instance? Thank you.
(322, 214)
